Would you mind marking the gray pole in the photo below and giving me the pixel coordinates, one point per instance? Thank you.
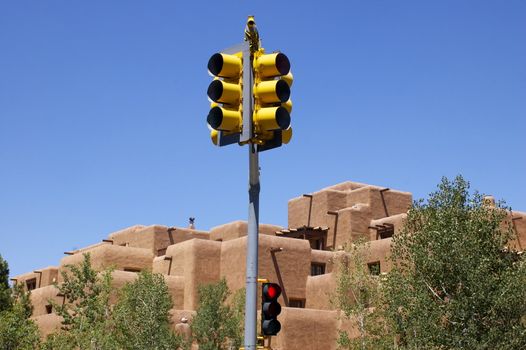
(253, 206)
(252, 250)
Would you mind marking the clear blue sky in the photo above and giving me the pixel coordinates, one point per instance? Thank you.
(103, 110)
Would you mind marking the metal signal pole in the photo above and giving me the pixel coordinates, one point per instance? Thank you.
(252, 250)
(253, 193)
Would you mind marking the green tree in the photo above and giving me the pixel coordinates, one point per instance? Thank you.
(218, 325)
(142, 315)
(17, 331)
(359, 297)
(5, 291)
(87, 315)
(454, 285)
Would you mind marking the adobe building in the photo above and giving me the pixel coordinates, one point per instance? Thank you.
(300, 257)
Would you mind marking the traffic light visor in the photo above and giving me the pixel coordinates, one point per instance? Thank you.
(223, 92)
(286, 135)
(225, 66)
(272, 91)
(272, 118)
(224, 119)
(272, 65)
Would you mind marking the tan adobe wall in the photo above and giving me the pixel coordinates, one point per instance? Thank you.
(323, 257)
(43, 277)
(40, 299)
(306, 329)
(319, 291)
(383, 202)
(348, 210)
(322, 201)
(238, 229)
(112, 256)
(48, 324)
(198, 262)
(346, 186)
(293, 263)
(517, 221)
(156, 237)
(396, 220)
(352, 225)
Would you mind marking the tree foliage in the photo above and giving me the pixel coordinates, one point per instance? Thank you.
(454, 285)
(218, 325)
(17, 331)
(359, 297)
(5, 291)
(139, 319)
(87, 315)
(142, 315)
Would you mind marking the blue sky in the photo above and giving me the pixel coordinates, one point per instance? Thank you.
(103, 110)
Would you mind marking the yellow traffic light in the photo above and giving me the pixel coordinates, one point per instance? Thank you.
(271, 118)
(226, 93)
(225, 66)
(286, 135)
(271, 93)
(272, 65)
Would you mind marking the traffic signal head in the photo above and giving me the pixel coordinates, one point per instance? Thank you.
(272, 98)
(273, 65)
(225, 92)
(225, 66)
(270, 309)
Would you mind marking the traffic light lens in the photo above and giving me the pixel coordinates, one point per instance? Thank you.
(282, 64)
(271, 290)
(271, 327)
(282, 90)
(215, 90)
(283, 119)
(271, 309)
(215, 117)
(215, 64)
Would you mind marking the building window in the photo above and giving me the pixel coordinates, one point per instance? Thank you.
(385, 231)
(298, 303)
(49, 308)
(374, 268)
(317, 243)
(161, 252)
(317, 269)
(31, 284)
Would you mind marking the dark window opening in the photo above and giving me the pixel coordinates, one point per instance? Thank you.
(161, 252)
(385, 231)
(298, 303)
(374, 268)
(317, 243)
(131, 269)
(317, 269)
(49, 308)
(219, 240)
(31, 284)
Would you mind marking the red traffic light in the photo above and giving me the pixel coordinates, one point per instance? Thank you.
(271, 291)
(270, 309)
